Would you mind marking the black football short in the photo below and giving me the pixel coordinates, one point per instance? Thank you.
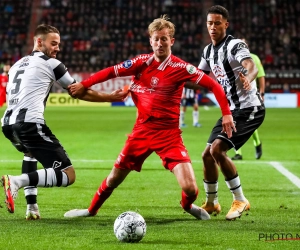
(246, 122)
(38, 140)
(188, 101)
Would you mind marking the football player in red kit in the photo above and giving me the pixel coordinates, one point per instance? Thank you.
(156, 88)
(3, 82)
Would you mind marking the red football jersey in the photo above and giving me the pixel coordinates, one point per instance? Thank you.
(156, 87)
(3, 83)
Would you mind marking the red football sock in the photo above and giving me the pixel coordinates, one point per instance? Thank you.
(100, 197)
(187, 201)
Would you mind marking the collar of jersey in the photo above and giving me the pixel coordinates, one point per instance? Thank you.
(163, 65)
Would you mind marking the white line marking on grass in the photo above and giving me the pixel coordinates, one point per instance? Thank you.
(94, 160)
(79, 160)
(293, 178)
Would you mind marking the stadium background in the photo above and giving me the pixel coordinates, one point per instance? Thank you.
(100, 33)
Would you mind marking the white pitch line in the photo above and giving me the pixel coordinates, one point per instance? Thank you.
(91, 160)
(293, 178)
(80, 160)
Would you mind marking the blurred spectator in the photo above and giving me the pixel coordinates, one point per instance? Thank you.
(109, 31)
(268, 87)
(15, 17)
(286, 88)
(273, 29)
(96, 34)
(3, 83)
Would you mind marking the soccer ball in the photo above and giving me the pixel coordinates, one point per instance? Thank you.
(130, 227)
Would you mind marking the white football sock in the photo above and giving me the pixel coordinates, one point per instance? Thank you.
(236, 189)
(181, 118)
(211, 190)
(195, 117)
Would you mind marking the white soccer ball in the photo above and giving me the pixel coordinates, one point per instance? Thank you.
(130, 227)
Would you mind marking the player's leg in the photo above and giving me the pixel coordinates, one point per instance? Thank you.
(257, 144)
(131, 158)
(112, 181)
(247, 120)
(43, 145)
(238, 155)
(210, 182)
(196, 114)
(187, 181)
(182, 113)
(30, 165)
(240, 203)
(168, 144)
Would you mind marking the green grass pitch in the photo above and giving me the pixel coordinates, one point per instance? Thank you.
(93, 138)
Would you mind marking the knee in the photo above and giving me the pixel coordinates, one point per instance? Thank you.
(191, 189)
(70, 172)
(207, 155)
(116, 177)
(217, 151)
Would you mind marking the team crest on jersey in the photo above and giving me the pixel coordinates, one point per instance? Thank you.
(191, 69)
(127, 64)
(154, 81)
(217, 71)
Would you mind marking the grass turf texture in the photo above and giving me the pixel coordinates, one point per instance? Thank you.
(99, 134)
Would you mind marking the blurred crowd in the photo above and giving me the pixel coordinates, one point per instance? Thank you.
(272, 28)
(97, 34)
(14, 20)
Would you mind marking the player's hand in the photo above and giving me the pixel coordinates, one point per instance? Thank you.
(228, 125)
(118, 95)
(76, 90)
(245, 81)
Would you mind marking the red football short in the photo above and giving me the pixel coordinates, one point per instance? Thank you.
(167, 144)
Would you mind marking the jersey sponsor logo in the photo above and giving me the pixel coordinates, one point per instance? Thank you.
(127, 64)
(223, 82)
(56, 164)
(191, 69)
(135, 87)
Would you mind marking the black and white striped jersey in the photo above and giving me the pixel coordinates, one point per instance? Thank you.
(224, 61)
(30, 81)
(189, 93)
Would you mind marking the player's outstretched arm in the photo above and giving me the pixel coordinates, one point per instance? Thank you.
(251, 74)
(76, 90)
(94, 96)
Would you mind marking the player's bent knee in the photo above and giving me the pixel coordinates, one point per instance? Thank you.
(69, 177)
(190, 190)
(206, 154)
